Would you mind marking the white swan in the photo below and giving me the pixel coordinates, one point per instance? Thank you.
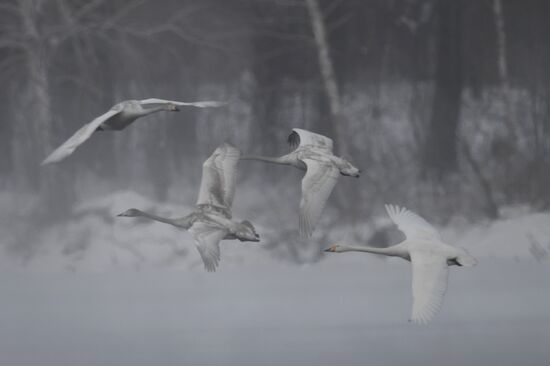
(211, 221)
(430, 258)
(119, 117)
(313, 154)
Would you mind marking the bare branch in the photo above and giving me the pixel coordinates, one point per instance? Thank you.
(122, 13)
(331, 7)
(92, 5)
(282, 2)
(9, 62)
(335, 24)
(328, 75)
(9, 43)
(173, 29)
(90, 88)
(185, 12)
(10, 9)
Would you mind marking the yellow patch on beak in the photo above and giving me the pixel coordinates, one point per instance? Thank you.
(332, 248)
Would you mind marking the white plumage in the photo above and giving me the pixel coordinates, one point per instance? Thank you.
(317, 185)
(211, 221)
(430, 258)
(219, 178)
(119, 117)
(313, 154)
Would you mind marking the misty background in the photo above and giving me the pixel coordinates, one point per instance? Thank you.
(444, 105)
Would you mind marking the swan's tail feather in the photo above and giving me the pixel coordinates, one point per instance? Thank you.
(466, 260)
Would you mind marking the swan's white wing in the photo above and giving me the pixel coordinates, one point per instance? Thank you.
(207, 238)
(300, 138)
(200, 104)
(412, 225)
(80, 136)
(219, 177)
(429, 273)
(317, 185)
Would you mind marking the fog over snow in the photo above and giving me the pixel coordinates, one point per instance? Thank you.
(443, 105)
(135, 293)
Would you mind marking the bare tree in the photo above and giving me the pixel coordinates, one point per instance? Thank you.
(49, 42)
(441, 144)
(328, 75)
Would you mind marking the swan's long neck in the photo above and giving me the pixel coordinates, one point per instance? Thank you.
(275, 160)
(390, 251)
(181, 223)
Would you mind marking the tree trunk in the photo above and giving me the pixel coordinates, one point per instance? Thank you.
(37, 118)
(35, 102)
(441, 144)
(328, 75)
(501, 42)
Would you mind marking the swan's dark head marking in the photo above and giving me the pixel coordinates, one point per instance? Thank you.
(334, 248)
(132, 212)
(350, 171)
(172, 108)
(247, 232)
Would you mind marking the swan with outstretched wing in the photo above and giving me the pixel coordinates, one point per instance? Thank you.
(119, 117)
(430, 258)
(211, 221)
(314, 154)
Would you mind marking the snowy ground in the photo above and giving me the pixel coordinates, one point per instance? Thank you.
(94, 239)
(345, 310)
(104, 291)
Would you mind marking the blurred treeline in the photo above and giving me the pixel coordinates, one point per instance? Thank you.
(444, 104)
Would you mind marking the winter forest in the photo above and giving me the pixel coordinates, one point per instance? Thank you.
(444, 106)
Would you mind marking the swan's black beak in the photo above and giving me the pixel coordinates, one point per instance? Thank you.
(120, 214)
(327, 250)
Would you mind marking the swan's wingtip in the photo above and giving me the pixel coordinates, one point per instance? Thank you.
(305, 234)
(214, 104)
(213, 267)
(390, 208)
(48, 160)
(418, 321)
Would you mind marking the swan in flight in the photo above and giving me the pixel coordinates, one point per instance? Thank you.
(211, 221)
(118, 118)
(313, 153)
(430, 258)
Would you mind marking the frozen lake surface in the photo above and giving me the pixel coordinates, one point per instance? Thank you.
(345, 310)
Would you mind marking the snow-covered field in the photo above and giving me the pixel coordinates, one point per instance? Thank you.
(94, 239)
(105, 291)
(345, 310)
